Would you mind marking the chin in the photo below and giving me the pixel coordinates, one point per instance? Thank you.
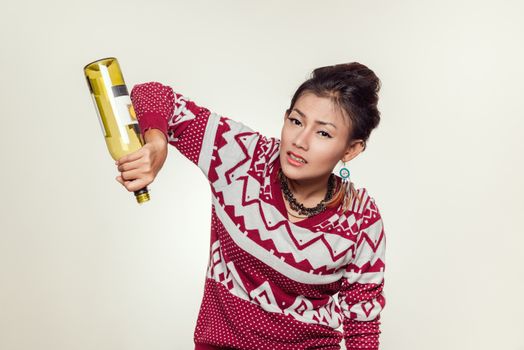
(293, 173)
(287, 169)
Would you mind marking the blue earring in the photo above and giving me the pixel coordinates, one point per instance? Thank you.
(344, 173)
(346, 182)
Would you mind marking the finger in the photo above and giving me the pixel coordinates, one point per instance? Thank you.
(122, 181)
(130, 157)
(131, 165)
(131, 175)
(135, 185)
(126, 184)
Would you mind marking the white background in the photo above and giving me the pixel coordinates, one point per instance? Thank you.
(82, 266)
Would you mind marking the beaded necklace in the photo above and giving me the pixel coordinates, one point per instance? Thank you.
(299, 207)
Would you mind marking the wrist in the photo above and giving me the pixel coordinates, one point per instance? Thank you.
(155, 136)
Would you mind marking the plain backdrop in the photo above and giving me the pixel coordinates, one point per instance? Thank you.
(82, 266)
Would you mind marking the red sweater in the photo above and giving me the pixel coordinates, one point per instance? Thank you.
(271, 284)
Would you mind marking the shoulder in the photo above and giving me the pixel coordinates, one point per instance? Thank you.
(365, 206)
(362, 202)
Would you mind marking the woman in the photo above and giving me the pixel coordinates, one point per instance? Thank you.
(287, 235)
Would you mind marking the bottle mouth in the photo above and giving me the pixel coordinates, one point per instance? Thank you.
(142, 196)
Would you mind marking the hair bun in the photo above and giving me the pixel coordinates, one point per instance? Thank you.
(359, 76)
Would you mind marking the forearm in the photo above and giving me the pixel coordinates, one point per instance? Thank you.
(362, 335)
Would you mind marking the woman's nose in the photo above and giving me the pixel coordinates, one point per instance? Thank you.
(301, 140)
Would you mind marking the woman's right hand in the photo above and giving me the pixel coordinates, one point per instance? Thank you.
(139, 169)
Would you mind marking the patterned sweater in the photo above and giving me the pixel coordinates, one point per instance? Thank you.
(271, 284)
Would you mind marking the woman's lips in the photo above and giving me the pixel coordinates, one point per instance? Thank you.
(296, 156)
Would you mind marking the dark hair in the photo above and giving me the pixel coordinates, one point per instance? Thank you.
(354, 88)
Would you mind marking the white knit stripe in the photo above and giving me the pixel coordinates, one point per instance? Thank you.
(246, 244)
(366, 254)
(231, 154)
(368, 277)
(206, 152)
(302, 308)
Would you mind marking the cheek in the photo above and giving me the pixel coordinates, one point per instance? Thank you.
(325, 151)
(284, 134)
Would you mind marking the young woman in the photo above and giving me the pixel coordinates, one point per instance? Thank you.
(296, 251)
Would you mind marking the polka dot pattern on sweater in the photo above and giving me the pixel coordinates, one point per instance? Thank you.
(226, 320)
(189, 143)
(153, 98)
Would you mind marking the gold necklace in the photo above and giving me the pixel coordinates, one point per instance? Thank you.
(300, 217)
(290, 213)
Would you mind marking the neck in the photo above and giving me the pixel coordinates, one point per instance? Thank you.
(309, 190)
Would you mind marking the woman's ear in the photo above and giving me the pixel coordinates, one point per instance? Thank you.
(354, 149)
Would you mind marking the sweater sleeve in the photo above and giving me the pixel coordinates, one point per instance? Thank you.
(361, 296)
(195, 131)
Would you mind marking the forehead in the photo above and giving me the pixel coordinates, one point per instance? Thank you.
(321, 108)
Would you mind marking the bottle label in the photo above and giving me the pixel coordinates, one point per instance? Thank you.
(120, 104)
(119, 90)
(123, 106)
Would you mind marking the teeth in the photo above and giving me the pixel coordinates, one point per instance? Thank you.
(297, 159)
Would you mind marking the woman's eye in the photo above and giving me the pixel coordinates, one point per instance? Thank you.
(293, 120)
(297, 122)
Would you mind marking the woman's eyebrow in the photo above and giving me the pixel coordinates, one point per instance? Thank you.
(316, 121)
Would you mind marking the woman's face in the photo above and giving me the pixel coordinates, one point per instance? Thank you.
(317, 131)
